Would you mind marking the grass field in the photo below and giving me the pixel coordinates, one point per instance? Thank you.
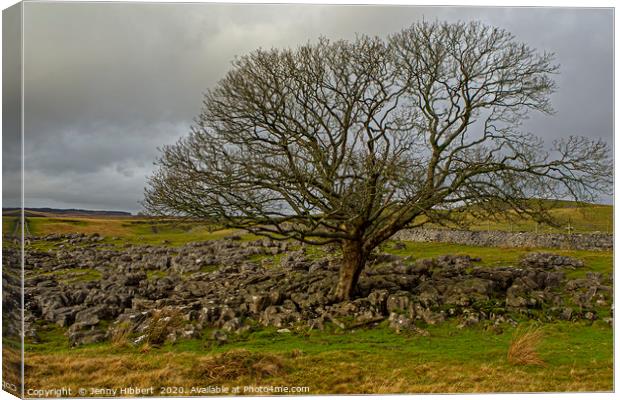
(569, 217)
(575, 356)
(130, 229)
(586, 218)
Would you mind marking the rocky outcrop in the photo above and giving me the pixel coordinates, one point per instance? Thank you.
(576, 241)
(11, 291)
(156, 293)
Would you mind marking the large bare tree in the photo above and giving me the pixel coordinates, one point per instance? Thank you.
(350, 141)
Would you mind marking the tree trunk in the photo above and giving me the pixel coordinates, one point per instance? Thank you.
(353, 262)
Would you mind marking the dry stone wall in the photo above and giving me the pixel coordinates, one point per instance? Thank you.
(577, 241)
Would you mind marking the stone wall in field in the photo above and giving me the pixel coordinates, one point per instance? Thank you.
(577, 241)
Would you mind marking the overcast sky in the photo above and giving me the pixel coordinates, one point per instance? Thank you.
(106, 84)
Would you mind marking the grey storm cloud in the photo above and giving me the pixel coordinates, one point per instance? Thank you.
(106, 84)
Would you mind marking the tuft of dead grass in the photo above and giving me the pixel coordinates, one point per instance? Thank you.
(296, 353)
(523, 349)
(162, 323)
(239, 363)
(120, 335)
(145, 348)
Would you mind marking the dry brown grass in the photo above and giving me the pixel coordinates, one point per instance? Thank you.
(103, 226)
(523, 349)
(296, 353)
(334, 372)
(120, 335)
(11, 369)
(161, 324)
(145, 348)
(239, 363)
(52, 371)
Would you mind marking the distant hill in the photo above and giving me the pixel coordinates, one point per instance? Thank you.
(41, 212)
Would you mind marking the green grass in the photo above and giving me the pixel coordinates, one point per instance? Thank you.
(445, 342)
(120, 231)
(584, 218)
(155, 274)
(596, 261)
(41, 245)
(52, 339)
(174, 234)
(73, 275)
(576, 355)
(8, 224)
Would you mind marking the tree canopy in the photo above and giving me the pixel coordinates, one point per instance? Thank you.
(350, 141)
